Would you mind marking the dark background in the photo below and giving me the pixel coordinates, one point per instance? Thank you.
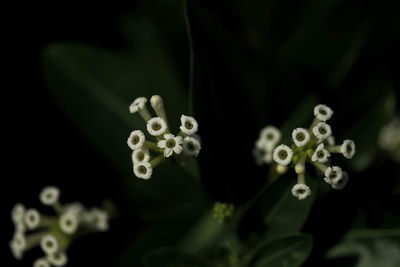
(43, 147)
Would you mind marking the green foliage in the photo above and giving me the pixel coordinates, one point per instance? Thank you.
(291, 251)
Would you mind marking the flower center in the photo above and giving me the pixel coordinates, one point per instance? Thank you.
(190, 146)
(171, 143)
(333, 174)
(142, 169)
(49, 244)
(283, 154)
(270, 136)
(323, 111)
(322, 130)
(300, 137)
(135, 139)
(156, 126)
(301, 191)
(140, 156)
(188, 125)
(348, 149)
(320, 154)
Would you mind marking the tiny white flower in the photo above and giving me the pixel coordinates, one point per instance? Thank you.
(171, 144)
(49, 244)
(140, 155)
(282, 155)
(16, 250)
(156, 126)
(348, 148)
(330, 141)
(189, 125)
(138, 104)
(259, 155)
(320, 154)
(270, 135)
(32, 219)
(19, 241)
(333, 174)
(49, 195)
(191, 146)
(68, 222)
(75, 208)
(99, 219)
(301, 191)
(341, 183)
(322, 130)
(143, 170)
(300, 137)
(42, 262)
(58, 259)
(17, 213)
(136, 139)
(323, 112)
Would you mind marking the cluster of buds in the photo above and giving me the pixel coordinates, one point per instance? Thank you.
(222, 211)
(166, 145)
(314, 145)
(55, 233)
(265, 144)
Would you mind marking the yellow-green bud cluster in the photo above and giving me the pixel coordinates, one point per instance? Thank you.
(222, 211)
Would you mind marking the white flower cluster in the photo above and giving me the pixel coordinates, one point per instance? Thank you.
(313, 145)
(265, 144)
(53, 233)
(185, 144)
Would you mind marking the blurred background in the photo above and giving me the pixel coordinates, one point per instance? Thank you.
(73, 69)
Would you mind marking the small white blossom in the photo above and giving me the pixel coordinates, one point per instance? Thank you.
(320, 154)
(140, 155)
(49, 195)
(18, 213)
(191, 146)
(171, 144)
(138, 104)
(269, 136)
(348, 148)
(16, 252)
(323, 112)
(42, 262)
(143, 170)
(99, 219)
(333, 174)
(282, 155)
(136, 139)
(300, 137)
(32, 219)
(58, 259)
(301, 191)
(75, 208)
(68, 222)
(341, 183)
(260, 155)
(322, 130)
(156, 126)
(49, 244)
(189, 125)
(19, 241)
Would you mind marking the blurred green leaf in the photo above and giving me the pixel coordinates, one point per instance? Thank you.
(291, 251)
(379, 247)
(282, 212)
(171, 257)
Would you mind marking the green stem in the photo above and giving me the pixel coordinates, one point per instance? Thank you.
(157, 160)
(191, 57)
(334, 149)
(320, 166)
(152, 146)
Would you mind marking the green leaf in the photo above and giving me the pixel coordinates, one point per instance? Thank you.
(170, 257)
(282, 212)
(289, 251)
(94, 88)
(379, 247)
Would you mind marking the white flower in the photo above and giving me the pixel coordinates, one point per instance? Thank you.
(322, 130)
(99, 219)
(17, 213)
(75, 208)
(138, 104)
(269, 136)
(341, 183)
(68, 222)
(58, 259)
(136, 139)
(32, 218)
(140, 155)
(19, 241)
(49, 195)
(348, 149)
(301, 191)
(259, 155)
(156, 126)
(171, 144)
(191, 146)
(300, 137)
(189, 125)
(333, 174)
(16, 251)
(41, 263)
(323, 112)
(143, 170)
(49, 244)
(320, 154)
(282, 155)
